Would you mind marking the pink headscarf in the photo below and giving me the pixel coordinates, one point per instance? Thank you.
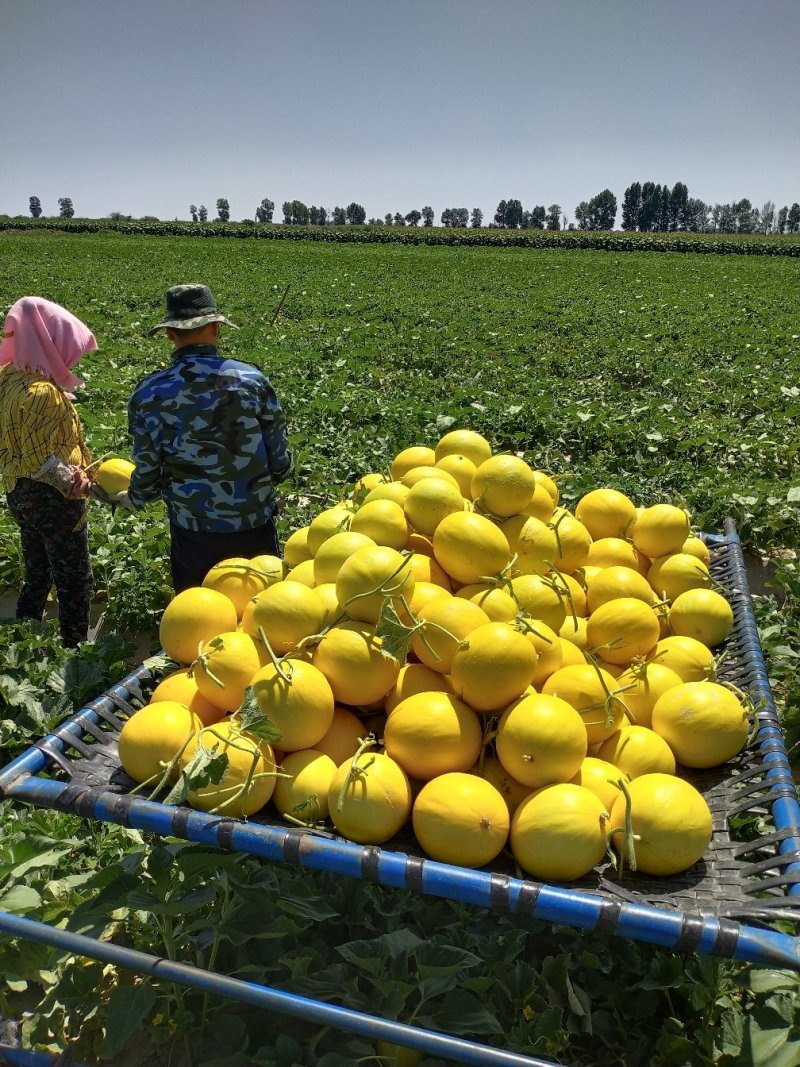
(45, 338)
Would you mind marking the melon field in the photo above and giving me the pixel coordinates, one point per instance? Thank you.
(671, 377)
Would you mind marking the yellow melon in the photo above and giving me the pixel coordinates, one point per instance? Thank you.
(461, 819)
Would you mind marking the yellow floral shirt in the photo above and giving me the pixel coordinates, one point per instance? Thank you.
(36, 421)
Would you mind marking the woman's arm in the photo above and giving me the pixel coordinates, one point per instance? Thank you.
(49, 437)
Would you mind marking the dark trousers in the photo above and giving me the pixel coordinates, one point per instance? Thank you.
(193, 553)
(54, 553)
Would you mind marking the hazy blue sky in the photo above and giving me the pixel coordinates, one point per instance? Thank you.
(146, 106)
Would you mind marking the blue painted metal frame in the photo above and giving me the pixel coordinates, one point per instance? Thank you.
(22, 1057)
(785, 807)
(318, 1012)
(555, 904)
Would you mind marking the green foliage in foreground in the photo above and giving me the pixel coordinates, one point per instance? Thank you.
(609, 240)
(573, 997)
(670, 377)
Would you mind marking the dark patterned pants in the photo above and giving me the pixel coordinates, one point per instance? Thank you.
(54, 553)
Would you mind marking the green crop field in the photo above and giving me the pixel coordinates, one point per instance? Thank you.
(673, 377)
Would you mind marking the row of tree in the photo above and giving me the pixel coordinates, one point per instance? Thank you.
(646, 207)
(65, 208)
(509, 215)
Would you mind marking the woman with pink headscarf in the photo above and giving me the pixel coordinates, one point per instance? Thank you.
(43, 458)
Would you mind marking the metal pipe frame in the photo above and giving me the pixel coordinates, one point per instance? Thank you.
(371, 1027)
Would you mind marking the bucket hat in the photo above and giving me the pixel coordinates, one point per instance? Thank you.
(190, 307)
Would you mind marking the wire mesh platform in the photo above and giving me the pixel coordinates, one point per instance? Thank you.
(741, 900)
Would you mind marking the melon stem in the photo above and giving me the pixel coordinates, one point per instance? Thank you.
(276, 662)
(629, 839)
(749, 706)
(503, 577)
(314, 639)
(202, 659)
(554, 527)
(527, 624)
(564, 593)
(164, 775)
(383, 586)
(313, 820)
(244, 787)
(354, 771)
(102, 459)
(610, 698)
(248, 567)
(442, 629)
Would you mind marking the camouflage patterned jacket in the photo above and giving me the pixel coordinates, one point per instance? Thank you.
(209, 438)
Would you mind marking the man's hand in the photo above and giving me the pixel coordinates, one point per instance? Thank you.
(114, 499)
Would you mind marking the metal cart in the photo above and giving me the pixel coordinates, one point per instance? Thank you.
(736, 902)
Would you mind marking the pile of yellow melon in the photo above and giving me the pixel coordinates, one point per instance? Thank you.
(450, 647)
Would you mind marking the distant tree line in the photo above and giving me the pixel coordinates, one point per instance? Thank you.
(65, 208)
(510, 215)
(647, 207)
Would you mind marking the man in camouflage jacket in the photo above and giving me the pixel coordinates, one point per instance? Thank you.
(209, 439)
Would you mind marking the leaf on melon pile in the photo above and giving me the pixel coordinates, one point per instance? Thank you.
(253, 720)
(394, 634)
